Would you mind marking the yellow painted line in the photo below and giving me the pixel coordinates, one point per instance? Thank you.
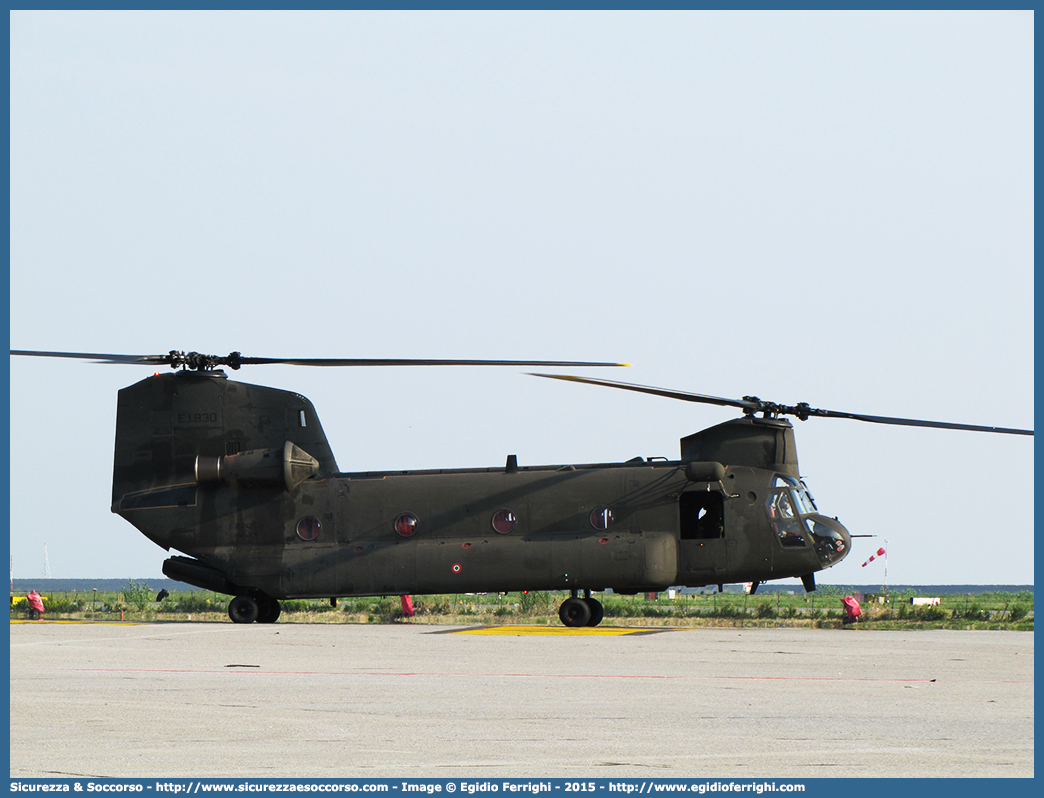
(584, 631)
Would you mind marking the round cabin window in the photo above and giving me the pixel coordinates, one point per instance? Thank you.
(406, 525)
(504, 521)
(308, 528)
(601, 518)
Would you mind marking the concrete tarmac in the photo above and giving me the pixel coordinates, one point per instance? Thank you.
(192, 700)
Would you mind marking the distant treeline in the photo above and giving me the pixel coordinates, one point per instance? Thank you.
(920, 590)
(87, 585)
(45, 586)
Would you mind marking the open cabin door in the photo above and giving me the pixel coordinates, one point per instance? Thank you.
(702, 547)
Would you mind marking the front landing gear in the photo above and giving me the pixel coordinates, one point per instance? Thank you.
(586, 611)
(247, 609)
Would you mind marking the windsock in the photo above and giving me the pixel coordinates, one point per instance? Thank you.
(873, 557)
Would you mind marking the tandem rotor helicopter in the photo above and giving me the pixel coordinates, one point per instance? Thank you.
(241, 479)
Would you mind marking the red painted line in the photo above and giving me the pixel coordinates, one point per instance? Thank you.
(256, 671)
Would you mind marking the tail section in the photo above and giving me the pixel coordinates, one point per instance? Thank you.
(195, 449)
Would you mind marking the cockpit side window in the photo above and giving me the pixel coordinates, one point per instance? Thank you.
(783, 505)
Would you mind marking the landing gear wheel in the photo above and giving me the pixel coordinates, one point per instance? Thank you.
(268, 610)
(243, 609)
(575, 612)
(597, 611)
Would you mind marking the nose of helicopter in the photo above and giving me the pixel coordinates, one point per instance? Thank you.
(831, 540)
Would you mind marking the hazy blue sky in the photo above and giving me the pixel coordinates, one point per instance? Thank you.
(826, 207)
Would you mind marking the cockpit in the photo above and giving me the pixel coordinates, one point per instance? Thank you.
(798, 523)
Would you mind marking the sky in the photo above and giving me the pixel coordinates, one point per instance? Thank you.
(829, 207)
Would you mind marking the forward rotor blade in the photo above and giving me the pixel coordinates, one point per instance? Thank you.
(683, 395)
(802, 411)
(913, 422)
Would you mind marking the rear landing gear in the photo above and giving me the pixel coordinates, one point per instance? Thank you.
(268, 610)
(247, 609)
(586, 611)
(243, 609)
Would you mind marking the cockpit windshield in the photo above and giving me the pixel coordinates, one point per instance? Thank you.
(799, 490)
(796, 520)
(804, 499)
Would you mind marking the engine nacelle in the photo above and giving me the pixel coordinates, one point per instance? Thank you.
(288, 468)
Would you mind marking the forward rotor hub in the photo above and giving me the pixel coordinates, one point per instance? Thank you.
(198, 362)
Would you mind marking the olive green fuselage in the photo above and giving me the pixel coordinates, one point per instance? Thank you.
(242, 480)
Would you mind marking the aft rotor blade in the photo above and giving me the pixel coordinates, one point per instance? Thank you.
(235, 360)
(324, 361)
(99, 358)
(683, 395)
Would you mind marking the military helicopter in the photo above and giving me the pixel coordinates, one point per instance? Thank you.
(242, 480)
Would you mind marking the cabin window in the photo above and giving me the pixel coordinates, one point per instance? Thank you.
(601, 518)
(406, 525)
(504, 521)
(702, 515)
(308, 528)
